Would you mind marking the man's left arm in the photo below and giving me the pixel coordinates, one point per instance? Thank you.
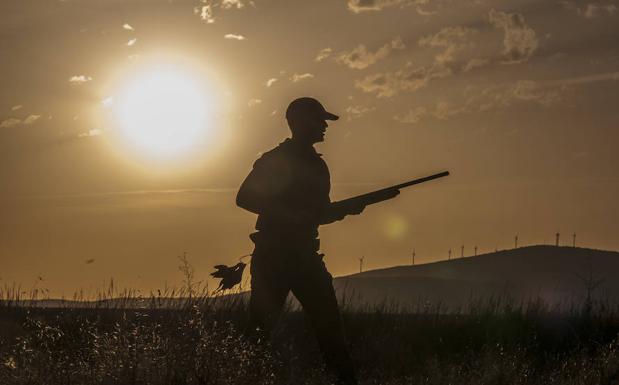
(334, 211)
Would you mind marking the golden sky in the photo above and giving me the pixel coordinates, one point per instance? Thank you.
(518, 99)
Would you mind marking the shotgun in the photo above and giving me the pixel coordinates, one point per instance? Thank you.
(385, 193)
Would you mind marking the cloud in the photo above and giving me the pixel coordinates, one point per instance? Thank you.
(586, 79)
(590, 10)
(505, 95)
(360, 58)
(106, 102)
(31, 119)
(358, 6)
(79, 79)
(412, 116)
(132, 42)
(205, 12)
(388, 84)
(474, 63)
(270, 82)
(452, 39)
(596, 10)
(232, 36)
(522, 90)
(483, 99)
(17, 107)
(356, 112)
(298, 77)
(519, 40)
(253, 102)
(323, 54)
(128, 27)
(228, 4)
(10, 122)
(90, 133)
(444, 110)
(424, 12)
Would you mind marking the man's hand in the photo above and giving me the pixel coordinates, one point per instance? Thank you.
(390, 194)
(355, 209)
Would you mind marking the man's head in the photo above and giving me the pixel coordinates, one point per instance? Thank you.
(307, 119)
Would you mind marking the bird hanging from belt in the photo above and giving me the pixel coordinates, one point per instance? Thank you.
(229, 275)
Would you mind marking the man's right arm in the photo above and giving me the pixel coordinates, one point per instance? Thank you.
(254, 190)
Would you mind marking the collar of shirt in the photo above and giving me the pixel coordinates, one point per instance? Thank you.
(290, 145)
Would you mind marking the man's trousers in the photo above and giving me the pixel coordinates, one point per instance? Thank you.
(278, 267)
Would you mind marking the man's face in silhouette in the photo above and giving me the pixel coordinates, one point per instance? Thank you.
(309, 130)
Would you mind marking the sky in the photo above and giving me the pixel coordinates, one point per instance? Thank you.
(517, 99)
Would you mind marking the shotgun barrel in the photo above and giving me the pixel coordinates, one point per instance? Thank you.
(388, 192)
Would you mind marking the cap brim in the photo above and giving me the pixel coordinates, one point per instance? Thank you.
(330, 116)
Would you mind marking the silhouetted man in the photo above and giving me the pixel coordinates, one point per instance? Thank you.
(289, 190)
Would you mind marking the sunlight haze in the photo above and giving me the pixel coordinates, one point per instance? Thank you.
(126, 128)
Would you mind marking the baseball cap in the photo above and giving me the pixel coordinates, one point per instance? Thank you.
(307, 107)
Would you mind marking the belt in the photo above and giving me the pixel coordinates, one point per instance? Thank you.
(285, 241)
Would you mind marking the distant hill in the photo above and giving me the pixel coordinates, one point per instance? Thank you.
(557, 275)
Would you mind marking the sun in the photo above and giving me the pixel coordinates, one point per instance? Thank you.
(163, 112)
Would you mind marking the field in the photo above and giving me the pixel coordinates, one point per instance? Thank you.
(199, 340)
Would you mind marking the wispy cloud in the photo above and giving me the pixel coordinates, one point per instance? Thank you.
(482, 99)
(358, 6)
(360, 57)
(232, 36)
(205, 12)
(79, 79)
(229, 4)
(10, 122)
(451, 40)
(323, 54)
(298, 77)
(412, 116)
(207, 8)
(107, 101)
(356, 112)
(17, 107)
(585, 79)
(90, 133)
(31, 119)
(132, 42)
(519, 40)
(253, 102)
(590, 10)
(475, 63)
(409, 79)
(270, 82)
(128, 27)
(444, 110)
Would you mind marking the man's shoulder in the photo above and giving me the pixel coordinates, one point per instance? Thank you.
(273, 157)
(275, 152)
(286, 153)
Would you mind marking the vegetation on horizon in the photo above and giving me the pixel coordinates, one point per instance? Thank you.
(200, 341)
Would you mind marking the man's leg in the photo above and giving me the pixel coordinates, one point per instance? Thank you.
(314, 290)
(268, 295)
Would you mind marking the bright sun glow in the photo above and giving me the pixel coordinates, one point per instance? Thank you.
(163, 112)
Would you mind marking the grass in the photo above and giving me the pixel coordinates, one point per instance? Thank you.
(190, 337)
